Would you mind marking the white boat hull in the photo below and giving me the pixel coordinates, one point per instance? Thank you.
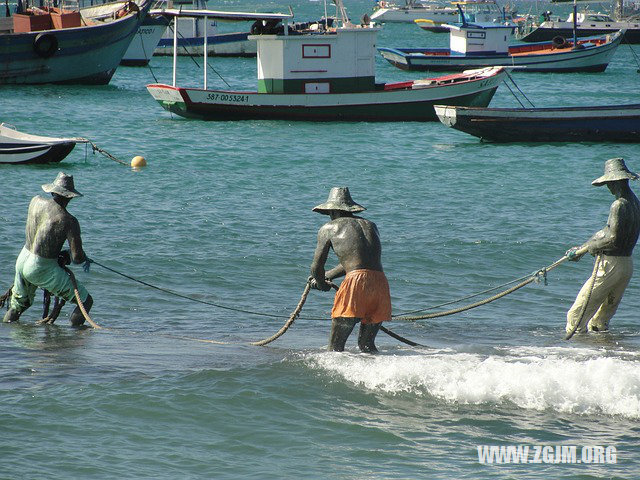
(410, 101)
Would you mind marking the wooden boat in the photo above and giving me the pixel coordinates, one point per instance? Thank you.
(439, 12)
(589, 24)
(480, 45)
(326, 75)
(145, 41)
(614, 123)
(18, 147)
(56, 46)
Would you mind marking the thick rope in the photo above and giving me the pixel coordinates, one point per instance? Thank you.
(574, 329)
(289, 322)
(79, 300)
(532, 278)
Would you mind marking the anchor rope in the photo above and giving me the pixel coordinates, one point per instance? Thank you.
(96, 148)
(519, 89)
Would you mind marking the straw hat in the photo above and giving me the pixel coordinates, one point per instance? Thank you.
(63, 186)
(339, 199)
(614, 169)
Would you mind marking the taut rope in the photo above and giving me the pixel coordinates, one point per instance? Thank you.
(535, 276)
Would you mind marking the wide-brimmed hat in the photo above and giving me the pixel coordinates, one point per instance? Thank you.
(63, 186)
(339, 199)
(614, 169)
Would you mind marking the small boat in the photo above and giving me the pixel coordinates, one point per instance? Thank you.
(589, 24)
(49, 45)
(613, 123)
(326, 74)
(18, 147)
(480, 45)
(432, 14)
(145, 41)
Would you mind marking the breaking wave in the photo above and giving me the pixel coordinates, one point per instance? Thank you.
(580, 381)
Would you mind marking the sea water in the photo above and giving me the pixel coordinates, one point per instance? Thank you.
(222, 214)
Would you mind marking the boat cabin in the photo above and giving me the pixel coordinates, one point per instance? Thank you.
(341, 60)
(479, 39)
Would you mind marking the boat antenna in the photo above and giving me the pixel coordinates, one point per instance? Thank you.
(575, 24)
(326, 18)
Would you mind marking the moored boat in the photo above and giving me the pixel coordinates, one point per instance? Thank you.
(23, 148)
(327, 75)
(145, 41)
(79, 47)
(588, 24)
(440, 12)
(612, 123)
(479, 45)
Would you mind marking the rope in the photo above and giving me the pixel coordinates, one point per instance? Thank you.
(584, 307)
(289, 322)
(532, 278)
(187, 297)
(80, 304)
(516, 85)
(96, 148)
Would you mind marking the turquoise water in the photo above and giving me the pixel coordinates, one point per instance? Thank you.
(223, 213)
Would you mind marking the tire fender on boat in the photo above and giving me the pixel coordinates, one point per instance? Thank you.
(558, 41)
(45, 44)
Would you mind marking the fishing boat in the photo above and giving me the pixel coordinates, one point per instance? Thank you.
(588, 24)
(326, 74)
(18, 147)
(475, 45)
(145, 41)
(614, 123)
(50, 45)
(432, 14)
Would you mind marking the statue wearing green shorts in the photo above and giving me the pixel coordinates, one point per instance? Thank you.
(49, 226)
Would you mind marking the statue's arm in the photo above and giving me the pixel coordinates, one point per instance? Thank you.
(606, 237)
(75, 241)
(320, 256)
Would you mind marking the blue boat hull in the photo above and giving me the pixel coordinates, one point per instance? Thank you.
(86, 55)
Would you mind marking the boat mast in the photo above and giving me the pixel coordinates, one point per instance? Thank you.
(344, 18)
(575, 24)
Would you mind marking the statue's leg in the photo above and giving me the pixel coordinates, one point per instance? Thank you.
(367, 337)
(11, 316)
(341, 328)
(46, 303)
(77, 318)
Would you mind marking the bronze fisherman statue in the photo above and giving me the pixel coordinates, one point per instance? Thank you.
(49, 226)
(363, 296)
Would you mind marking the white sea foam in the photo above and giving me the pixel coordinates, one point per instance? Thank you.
(582, 381)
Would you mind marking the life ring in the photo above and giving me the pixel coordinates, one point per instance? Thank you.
(45, 45)
(383, 4)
